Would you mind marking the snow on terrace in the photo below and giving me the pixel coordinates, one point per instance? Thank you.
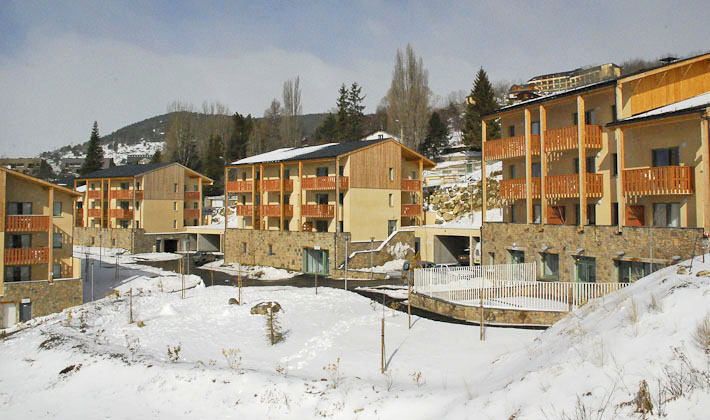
(593, 359)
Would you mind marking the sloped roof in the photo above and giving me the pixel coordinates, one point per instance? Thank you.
(322, 151)
(125, 171)
(40, 181)
(337, 149)
(687, 106)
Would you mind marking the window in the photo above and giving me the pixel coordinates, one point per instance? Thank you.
(244, 247)
(341, 198)
(194, 188)
(271, 249)
(194, 222)
(666, 214)
(57, 209)
(665, 157)
(550, 266)
(287, 173)
(287, 199)
(391, 201)
(321, 225)
(175, 206)
(113, 241)
(516, 257)
(322, 199)
(138, 185)
(138, 205)
(537, 213)
(194, 205)
(92, 186)
(17, 273)
(586, 268)
(512, 213)
(57, 240)
(391, 227)
(512, 172)
(591, 215)
(340, 226)
(174, 224)
(614, 164)
(124, 185)
(613, 113)
(535, 127)
(588, 117)
(630, 271)
(469, 168)
(492, 258)
(244, 176)
(184, 187)
(19, 208)
(511, 130)
(391, 174)
(57, 271)
(590, 164)
(175, 188)
(536, 169)
(341, 170)
(125, 205)
(615, 214)
(125, 224)
(25, 310)
(322, 171)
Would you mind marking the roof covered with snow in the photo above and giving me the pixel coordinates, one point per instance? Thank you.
(320, 151)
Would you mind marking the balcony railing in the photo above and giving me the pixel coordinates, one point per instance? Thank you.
(122, 194)
(510, 147)
(26, 256)
(324, 183)
(411, 209)
(244, 210)
(27, 223)
(274, 210)
(516, 189)
(78, 221)
(94, 212)
(192, 195)
(239, 186)
(95, 194)
(411, 185)
(565, 138)
(121, 213)
(663, 180)
(567, 186)
(318, 210)
(192, 213)
(275, 185)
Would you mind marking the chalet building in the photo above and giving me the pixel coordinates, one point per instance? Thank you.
(27, 166)
(606, 182)
(38, 274)
(368, 189)
(73, 165)
(139, 207)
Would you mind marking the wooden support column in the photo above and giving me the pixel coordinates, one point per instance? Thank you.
(50, 235)
(101, 203)
(337, 194)
(199, 199)
(581, 140)
(543, 165)
(300, 195)
(281, 197)
(705, 148)
(3, 192)
(262, 225)
(484, 178)
(422, 219)
(620, 196)
(528, 169)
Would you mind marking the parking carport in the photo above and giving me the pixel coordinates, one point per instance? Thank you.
(448, 247)
(443, 244)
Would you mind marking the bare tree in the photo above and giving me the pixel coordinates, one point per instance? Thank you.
(291, 130)
(266, 135)
(180, 139)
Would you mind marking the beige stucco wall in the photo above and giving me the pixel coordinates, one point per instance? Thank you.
(158, 215)
(368, 210)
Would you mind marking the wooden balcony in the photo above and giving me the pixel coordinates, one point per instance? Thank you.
(192, 195)
(275, 185)
(565, 138)
(516, 189)
(411, 185)
(95, 194)
(121, 213)
(510, 147)
(274, 210)
(27, 223)
(239, 186)
(26, 256)
(411, 210)
(663, 180)
(323, 211)
(94, 212)
(191, 213)
(324, 183)
(244, 210)
(122, 194)
(78, 221)
(567, 186)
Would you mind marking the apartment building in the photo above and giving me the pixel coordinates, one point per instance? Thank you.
(123, 204)
(606, 182)
(367, 189)
(73, 165)
(27, 166)
(38, 274)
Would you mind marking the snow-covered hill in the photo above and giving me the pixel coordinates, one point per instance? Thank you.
(588, 366)
(118, 152)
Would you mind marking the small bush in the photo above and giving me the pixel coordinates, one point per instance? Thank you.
(174, 353)
(702, 334)
(417, 378)
(333, 370)
(233, 357)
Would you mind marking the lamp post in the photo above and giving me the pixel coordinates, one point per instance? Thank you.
(347, 239)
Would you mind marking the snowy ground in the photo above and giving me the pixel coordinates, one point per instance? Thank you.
(251, 271)
(328, 366)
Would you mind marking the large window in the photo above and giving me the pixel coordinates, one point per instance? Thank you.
(322, 199)
(57, 240)
(516, 257)
(537, 213)
(586, 268)
(19, 208)
(665, 157)
(590, 165)
(666, 214)
(57, 209)
(550, 266)
(17, 273)
(536, 169)
(630, 271)
(322, 171)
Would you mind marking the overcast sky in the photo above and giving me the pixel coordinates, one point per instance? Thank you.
(64, 65)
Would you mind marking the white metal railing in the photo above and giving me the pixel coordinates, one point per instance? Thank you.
(507, 286)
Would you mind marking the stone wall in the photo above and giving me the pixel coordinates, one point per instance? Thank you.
(362, 259)
(46, 298)
(352, 274)
(604, 243)
(497, 317)
(114, 238)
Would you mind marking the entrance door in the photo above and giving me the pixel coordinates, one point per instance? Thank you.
(25, 311)
(9, 315)
(586, 270)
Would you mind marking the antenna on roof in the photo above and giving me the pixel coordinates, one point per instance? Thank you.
(668, 60)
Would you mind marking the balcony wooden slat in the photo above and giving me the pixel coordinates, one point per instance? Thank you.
(567, 186)
(323, 211)
(324, 183)
(663, 180)
(26, 256)
(94, 194)
(510, 147)
(516, 189)
(411, 209)
(121, 213)
(27, 223)
(565, 138)
(122, 194)
(191, 213)
(239, 186)
(192, 195)
(94, 212)
(411, 185)
(244, 210)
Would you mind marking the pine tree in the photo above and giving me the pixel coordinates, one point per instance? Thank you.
(157, 157)
(327, 131)
(342, 126)
(214, 163)
(237, 144)
(356, 126)
(482, 102)
(94, 154)
(437, 137)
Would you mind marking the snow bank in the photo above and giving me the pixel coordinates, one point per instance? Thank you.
(251, 271)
